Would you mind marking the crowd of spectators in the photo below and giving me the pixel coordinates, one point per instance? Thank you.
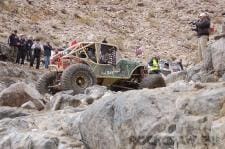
(26, 48)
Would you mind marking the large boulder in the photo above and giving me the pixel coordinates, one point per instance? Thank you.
(133, 119)
(199, 74)
(182, 117)
(215, 57)
(50, 130)
(19, 93)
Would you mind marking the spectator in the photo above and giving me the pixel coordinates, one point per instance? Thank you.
(21, 50)
(13, 43)
(180, 64)
(29, 44)
(139, 52)
(37, 48)
(47, 54)
(153, 65)
(202, 29)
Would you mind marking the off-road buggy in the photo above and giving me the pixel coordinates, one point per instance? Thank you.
(89, 63)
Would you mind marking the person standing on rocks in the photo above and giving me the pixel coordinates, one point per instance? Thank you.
(21, 50)
(37, 48)
(202, 29)
(47, 54)
(13, 43)
(29, 44)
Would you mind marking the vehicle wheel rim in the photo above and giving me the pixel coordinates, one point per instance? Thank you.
(82, 80)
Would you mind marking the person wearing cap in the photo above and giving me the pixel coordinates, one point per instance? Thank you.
(13, 42)
(202, 29)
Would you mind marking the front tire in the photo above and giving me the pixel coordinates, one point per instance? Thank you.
(77, 77)
(48, 79)
(153, 81)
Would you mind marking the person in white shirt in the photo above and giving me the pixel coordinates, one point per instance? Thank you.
(37, 48)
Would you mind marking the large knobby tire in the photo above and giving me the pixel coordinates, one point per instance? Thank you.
(46, 80)
(153, 81)
(77, 77)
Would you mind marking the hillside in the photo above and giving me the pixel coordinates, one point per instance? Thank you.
(161, 26)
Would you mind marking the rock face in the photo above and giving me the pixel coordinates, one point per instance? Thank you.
(181, 119)
(19, 93)
(183, 115)
(214, 57)
(42, 131)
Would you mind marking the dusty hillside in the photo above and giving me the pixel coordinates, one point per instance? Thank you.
(159, 25)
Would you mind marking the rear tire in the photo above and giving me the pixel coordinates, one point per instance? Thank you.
(77, 77)
(153, 81)
(48, 79)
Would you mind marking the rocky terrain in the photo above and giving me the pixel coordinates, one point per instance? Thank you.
(189, 113)
(185, 115)
(160, 26)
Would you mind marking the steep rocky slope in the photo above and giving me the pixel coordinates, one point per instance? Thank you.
(161, 26)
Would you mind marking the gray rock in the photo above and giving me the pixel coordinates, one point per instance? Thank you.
(60, 101)
(95, 91)
(217, 133)
(181, 86)
(11, 112)
(48, 130)
(193, 132)
(218, 56)
(176, 76)
(208, 101)
(19, 93)
(127, 120)
(29, 105)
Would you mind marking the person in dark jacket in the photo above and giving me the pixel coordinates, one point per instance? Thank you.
(29, 44)
(21, 50)
(37, 49)
(47, 54)
(13, 42)
(203, 30)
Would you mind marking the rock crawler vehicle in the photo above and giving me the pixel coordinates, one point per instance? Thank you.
(89, 63)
